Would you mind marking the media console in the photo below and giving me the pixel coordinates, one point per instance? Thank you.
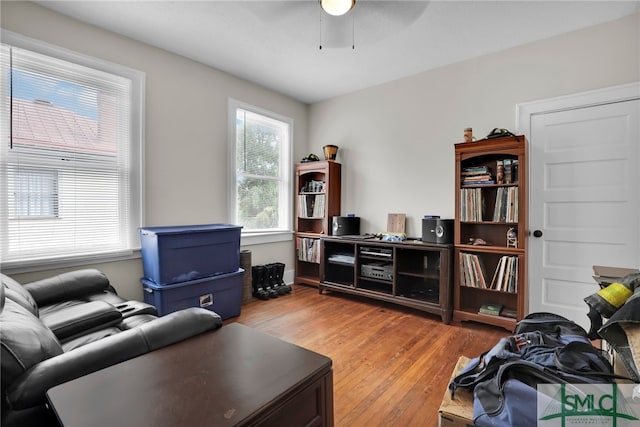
(409, 273)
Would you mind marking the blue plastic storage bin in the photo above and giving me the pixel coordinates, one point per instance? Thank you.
(221, 294)
(182, 253)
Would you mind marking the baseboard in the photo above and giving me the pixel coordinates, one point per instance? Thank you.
(288, 276)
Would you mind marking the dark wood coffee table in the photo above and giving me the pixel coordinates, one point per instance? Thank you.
(235, 376)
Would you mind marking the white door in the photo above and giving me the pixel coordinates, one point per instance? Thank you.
(584, 201)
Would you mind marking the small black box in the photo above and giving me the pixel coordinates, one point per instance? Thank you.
(436, 230)
(345, 226)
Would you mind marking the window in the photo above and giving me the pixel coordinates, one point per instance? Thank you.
(33, 193)
(260, 147)
(70, 157)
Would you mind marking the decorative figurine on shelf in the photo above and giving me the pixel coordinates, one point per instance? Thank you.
(468, 135)
(500, 172)
(477, 241)
(330, 152)
(512, 238)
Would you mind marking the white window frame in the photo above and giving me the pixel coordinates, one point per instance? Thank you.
(26, 191)
(285, 231)
(136, 204)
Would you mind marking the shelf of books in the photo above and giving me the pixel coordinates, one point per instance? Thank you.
(317, 200)
(311, 206)
(308, 249)
(490, 283)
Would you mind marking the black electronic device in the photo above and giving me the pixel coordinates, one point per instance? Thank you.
(377, 252)
(436, 230)
(378, 270)
(345, 226)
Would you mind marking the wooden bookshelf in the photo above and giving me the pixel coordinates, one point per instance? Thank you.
(317, 200)
(490, 231)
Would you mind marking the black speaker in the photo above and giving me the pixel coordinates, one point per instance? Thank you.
(436, 230)
(345, 226)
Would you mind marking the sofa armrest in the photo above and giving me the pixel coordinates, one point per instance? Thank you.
(76, 319)
(30, 389)
(67, 286)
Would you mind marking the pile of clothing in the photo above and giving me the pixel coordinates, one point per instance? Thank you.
(619, 303)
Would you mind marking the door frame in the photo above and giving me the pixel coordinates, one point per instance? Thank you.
(525, 111)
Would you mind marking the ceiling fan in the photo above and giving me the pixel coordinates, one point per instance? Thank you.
(337, 7)
(349, 23)
(344, 21)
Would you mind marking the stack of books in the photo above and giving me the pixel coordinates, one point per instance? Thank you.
(497, 310)
(507, 312)
(477, 175)
(510, 170)
(315, 187)
(492, 309)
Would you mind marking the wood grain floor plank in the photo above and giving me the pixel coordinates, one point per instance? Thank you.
(391, 365)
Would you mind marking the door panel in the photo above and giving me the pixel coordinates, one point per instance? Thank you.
(585, 192)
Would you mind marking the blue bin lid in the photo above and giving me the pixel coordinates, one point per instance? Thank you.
(181, 229)
(159, 287)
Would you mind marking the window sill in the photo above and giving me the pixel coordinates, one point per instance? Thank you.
(17, 267)
(248, 239)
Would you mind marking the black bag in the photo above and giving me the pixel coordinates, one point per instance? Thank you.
(545, 348)
(499, 133)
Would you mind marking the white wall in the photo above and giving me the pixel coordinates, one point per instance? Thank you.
(186, 129)
(396, 140)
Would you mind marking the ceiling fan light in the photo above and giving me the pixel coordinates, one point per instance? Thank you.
(337, 7)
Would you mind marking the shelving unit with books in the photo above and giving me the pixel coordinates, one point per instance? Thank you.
(490, 271)
(317, 197)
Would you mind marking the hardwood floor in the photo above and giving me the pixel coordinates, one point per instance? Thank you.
(391, 365)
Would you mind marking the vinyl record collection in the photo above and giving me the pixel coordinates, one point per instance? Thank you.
(505, 208)
(308, 249)
(505, 276)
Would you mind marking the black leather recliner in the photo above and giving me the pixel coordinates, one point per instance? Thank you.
(67, 326)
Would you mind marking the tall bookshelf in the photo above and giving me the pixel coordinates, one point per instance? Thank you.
(490, 231)
(318, 186)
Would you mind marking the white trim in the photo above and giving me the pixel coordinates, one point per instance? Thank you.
(137, 134)
(232, 105)
(67, 262)
(619, 93)
(249, 237)
(525, 111)
(9, 37)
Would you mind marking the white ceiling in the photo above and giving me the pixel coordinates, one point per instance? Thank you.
(276, 43)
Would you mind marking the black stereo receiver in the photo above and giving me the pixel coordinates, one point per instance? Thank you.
(375, 251)
(378, 270)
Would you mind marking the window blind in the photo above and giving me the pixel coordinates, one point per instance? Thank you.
(262, 190)
(66, 163)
